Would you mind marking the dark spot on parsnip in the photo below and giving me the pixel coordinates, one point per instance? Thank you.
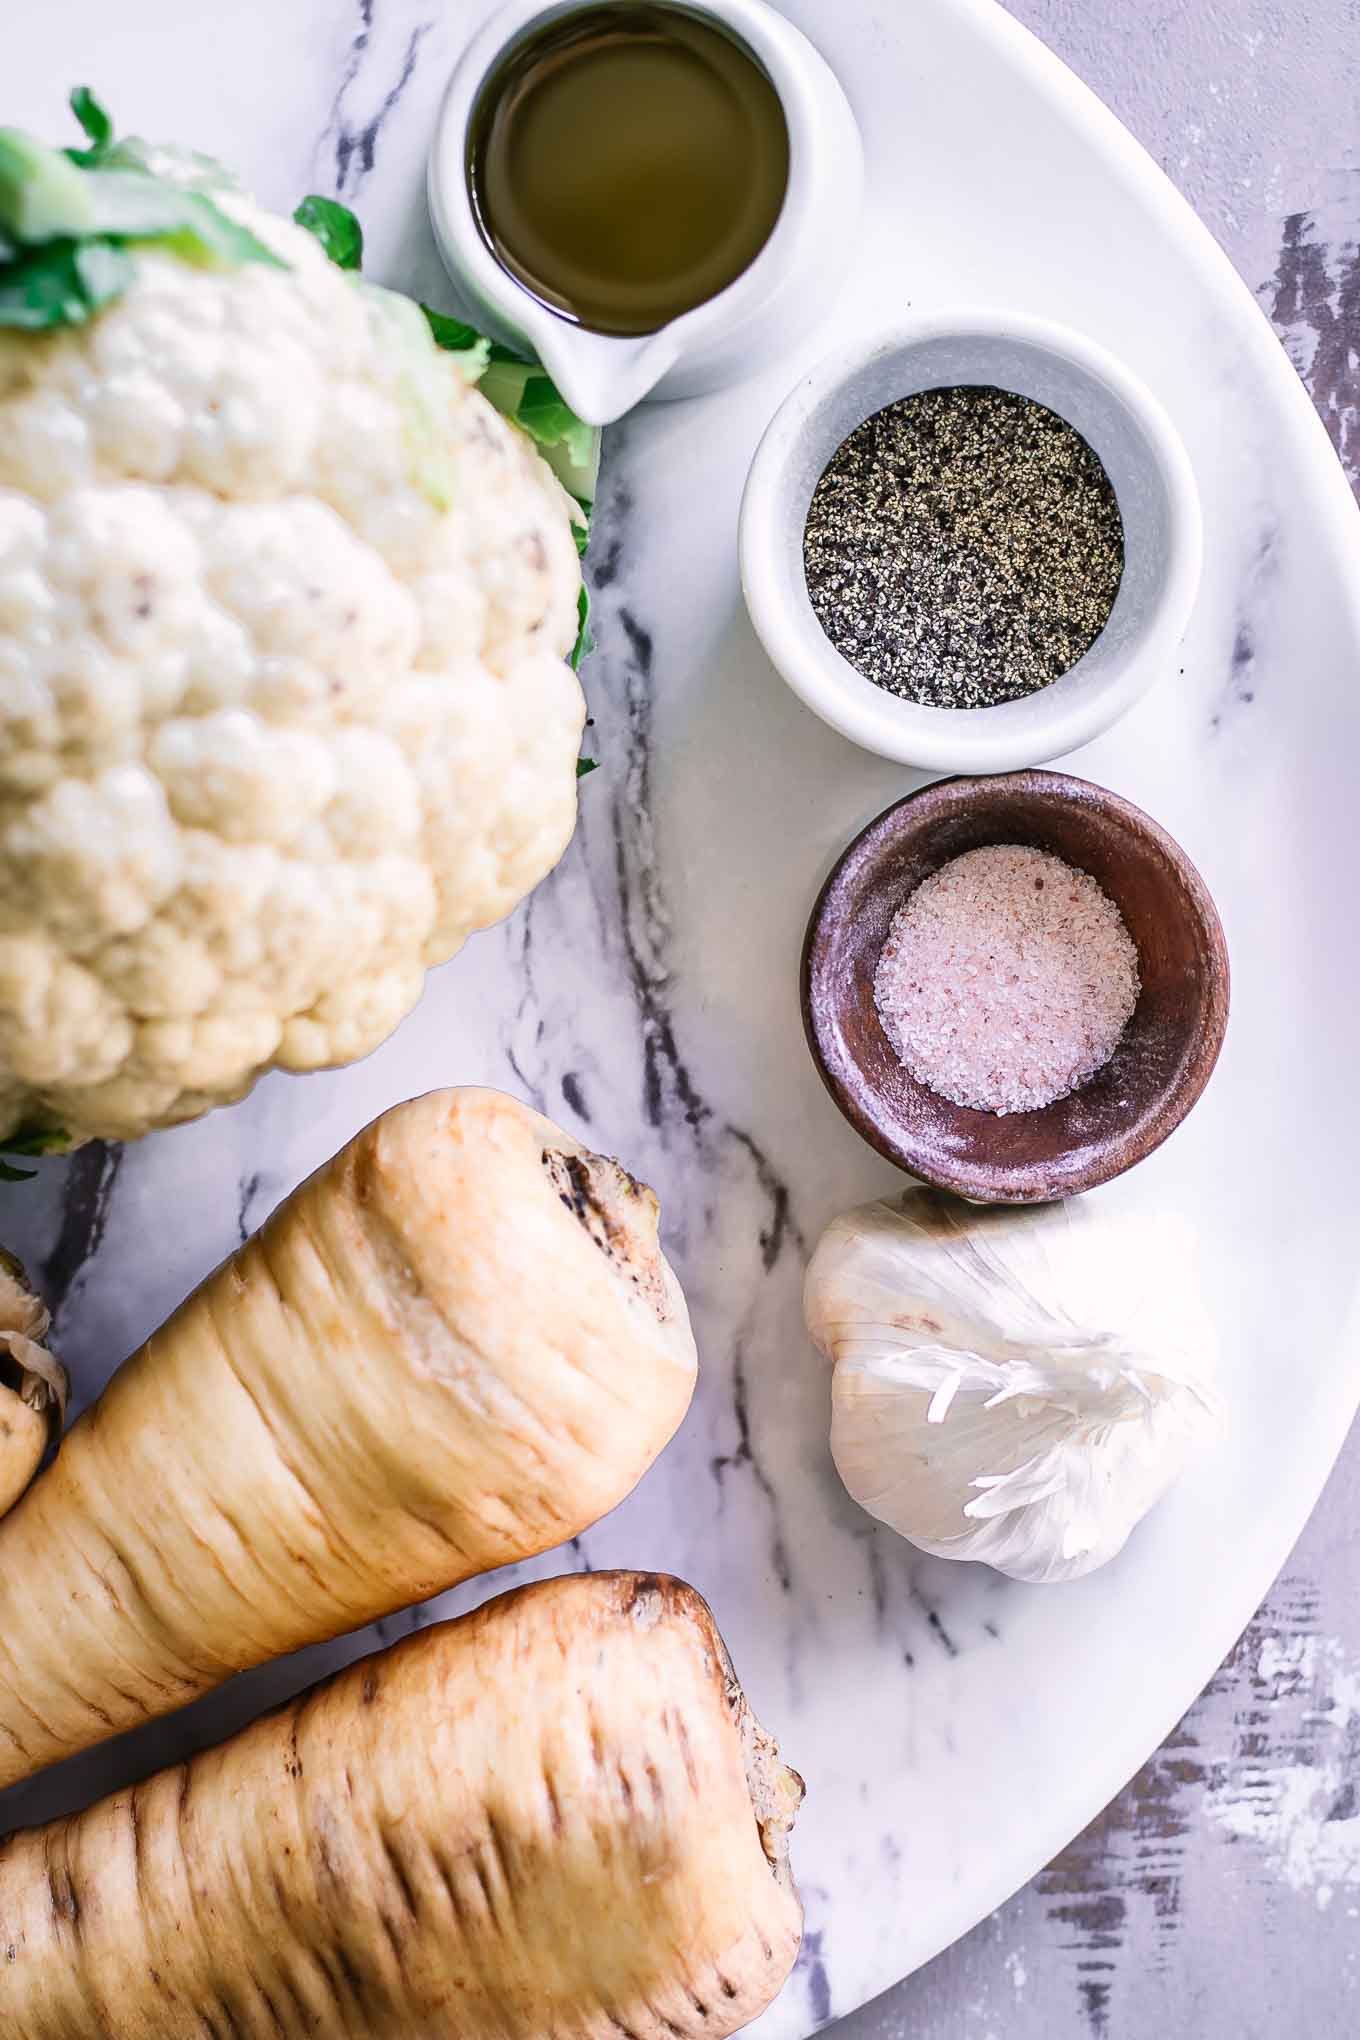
(686, 1751)
(235, 2030)
(354, 1982)
(554, 1804)
(576, 1187)
(363, 1176)
(368, 1691)
(400, 1876)
(607, 1202)
(275, 2016)
(647, 1602)
(304, 2017)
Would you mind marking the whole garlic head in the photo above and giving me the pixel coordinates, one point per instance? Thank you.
(1016, 1385)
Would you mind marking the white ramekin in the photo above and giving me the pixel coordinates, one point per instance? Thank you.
(1141, 452)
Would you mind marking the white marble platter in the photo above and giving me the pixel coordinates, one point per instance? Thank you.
(955, 1730)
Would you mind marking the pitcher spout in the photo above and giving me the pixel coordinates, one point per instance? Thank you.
(599, 376)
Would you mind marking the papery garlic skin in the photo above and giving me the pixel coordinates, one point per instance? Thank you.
(1015, 1385)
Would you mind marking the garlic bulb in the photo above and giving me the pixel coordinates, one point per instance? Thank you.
(1016, 1385)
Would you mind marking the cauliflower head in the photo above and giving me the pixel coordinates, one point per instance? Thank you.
(284, 709)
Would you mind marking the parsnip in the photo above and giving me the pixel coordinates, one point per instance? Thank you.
(456, 1345)
(33, 1383)
(555, 1819)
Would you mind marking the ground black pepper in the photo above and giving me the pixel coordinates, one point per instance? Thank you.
(964, 547)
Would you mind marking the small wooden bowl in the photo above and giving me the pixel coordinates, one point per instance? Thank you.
(1168, 1049)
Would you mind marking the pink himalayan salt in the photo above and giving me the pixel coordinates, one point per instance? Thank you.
(1006, 980)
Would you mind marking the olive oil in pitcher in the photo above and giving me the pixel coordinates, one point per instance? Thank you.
(626, 163)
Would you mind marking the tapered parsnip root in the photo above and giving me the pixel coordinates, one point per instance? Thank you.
(552, 1820)
(33, 1383)
(455, 1346)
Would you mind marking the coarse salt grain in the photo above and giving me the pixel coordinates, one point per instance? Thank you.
(1006, 980)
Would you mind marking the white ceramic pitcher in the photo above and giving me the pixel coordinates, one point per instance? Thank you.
(769, 306)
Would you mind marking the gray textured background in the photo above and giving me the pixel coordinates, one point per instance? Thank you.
(1220, 1894)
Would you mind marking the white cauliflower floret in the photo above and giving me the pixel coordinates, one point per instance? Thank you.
(284, 708)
